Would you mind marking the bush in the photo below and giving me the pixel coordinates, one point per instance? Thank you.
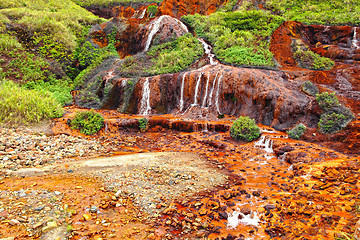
(332, 122)
(143, 123)
(297, 132)
(336, 116)
(245, 128)
(309, 88)
(310, 60)
(327, 101)
(152, 10)
(22, 106)
(88, 122)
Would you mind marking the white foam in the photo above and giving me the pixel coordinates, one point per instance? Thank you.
(355, 41)
(250, 219)
(145, 108)
(208, 49)
(182, 93)
(197, 90)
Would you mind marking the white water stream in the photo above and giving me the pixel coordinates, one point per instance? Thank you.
(206, 91)
(142, 15)
(155, 26)
(208, 49)
(218, 95)
(250, 219)
(145, 108)
(182, 93)
(355, 41)
(197, 90)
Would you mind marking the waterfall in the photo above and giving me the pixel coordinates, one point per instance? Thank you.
(154, 28)
(182, 93)
(145, 108)
(197, 90)
(265, 144)
(207, 49)
(212, 90)
(217, 95)
(355, 41)
(206, 90)
(142, 15)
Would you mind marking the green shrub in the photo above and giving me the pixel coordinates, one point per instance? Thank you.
(332, 122)
(241, 32)
(327, 101)
(143, 123)
(152, 10)
(297, 131)
(88, 122)
(22, 106)
(335, 116)
(176, 55)
(309, 88)
(245, 128)
(310, 60)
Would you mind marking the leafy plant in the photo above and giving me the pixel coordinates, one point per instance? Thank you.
(336, 116)
(88, 122)
(309, 59)
(152, 10)
(22, 106)
(143, 123)
(309, 88)
(297, 131)
(245, 128)
(240, 37)
(176, 55)
(345, 236)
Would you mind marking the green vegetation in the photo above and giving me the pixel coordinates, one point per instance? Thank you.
(176, 55)
(88, 122)
(309, 88)
(22, 106)
(345, 236)
(86, 3)
(240, 37)
(297, 131)
(335, 116)
(245, 128)
(152, 10)
(310, 60)
(317, 12)
(143, 123)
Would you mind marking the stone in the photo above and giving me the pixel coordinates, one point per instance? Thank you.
(86, 217)
(14, 222)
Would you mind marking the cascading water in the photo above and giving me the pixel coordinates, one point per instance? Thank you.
(207, 49)
(218, 95)
(155, 26)
(182, 93)
(209, 102)
(197, 90)
(142, 15)
(355, 41)
(237, 217)
(206, 91)
(145, 108)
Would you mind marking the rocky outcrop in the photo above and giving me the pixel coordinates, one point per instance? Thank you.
(178, 8)
(270, 97)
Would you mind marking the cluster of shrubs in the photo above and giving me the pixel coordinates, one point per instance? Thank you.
(88, 122)
(245, 129)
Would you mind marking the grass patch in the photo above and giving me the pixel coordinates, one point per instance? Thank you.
(176, 55)
(310, 60)
(327, 12)
(22, 106)
(240, 37)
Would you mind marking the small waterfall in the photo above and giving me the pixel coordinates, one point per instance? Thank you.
(182, 93)
(250, 219)
(154, 28)
(142, 15)
(124, 82)
(197, 89)
(212, 90)
(206, 91)
(145, 108)
(218, 95)
(265, 144)
(207, 49)
(355, 41)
